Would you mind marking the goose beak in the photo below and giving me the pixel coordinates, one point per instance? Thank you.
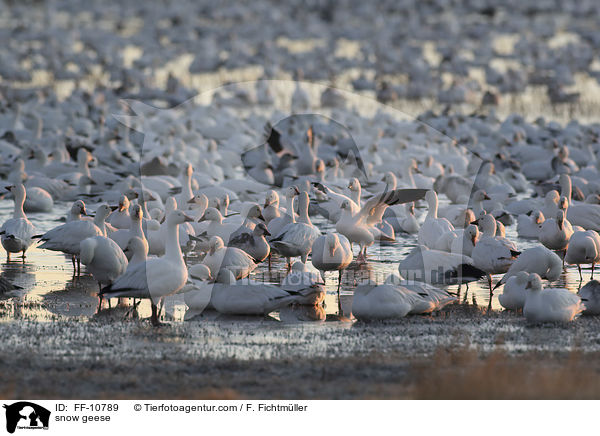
(191, 200)
(261, 217)
(113, 208)
(267, 233)
(476, 222)
(486, 197)
(8, 188)
(188, 219)
(202, 218)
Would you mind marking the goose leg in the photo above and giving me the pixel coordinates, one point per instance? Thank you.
(269, 261)
(23, 255)
(74, 266)
(154, 318)
(78, 267)
(491, 292)
(580, 276)
(100, 297)
(339, 283)
(592, 277)
(8, 256)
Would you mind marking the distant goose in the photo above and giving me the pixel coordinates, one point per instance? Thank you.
(590, 295)
(550, 304)
(434, 299)
(156, 277)
(299, 280)
(514, 293)
(16, 234)
(120, 218)
(276, 224)
(556, 232)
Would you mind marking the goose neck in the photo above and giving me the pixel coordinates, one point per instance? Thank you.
(172, 249)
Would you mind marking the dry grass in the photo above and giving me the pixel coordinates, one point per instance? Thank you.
(463, 373)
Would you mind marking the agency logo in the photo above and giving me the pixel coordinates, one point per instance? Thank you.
(26, 415)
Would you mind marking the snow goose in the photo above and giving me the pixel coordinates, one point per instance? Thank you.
(104, 259)
(550, 304)
(528, 226)
(247, 297)
(216, 225)
(438, 267)
(296, 238)
(122, 236)
(231, 258)
(271, 206)
(157, 277)
(583, 248)
(433, 299)
(514, 293)
(120, 218)
(537, 260)
(383, 302)
(253, 242)
(330, 206)
(433, 227)
(67, 237)
(465, 242)
(584, 215)
(556, 232)
(300, 280)
(278, 223)
(136, 251)
(331, 252)
(590, 295)
(17, 232)
(406, 223)
(493, 254)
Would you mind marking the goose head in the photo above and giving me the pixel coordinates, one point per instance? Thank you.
(534, 283)
(78, 208)
(178, 217)
(271, 199)
(488, 224)
(198, 200)
(124, 203)
(211, 214)
(215, 244)
(552, 197)
(472, 233)
(200, 271)
(563, 203)
(560, 218)
(354, 184)
(480, 195)
(261, 230)
(18, 191)
(432, 199)
(292, 191)
(136, 212)
(255, 212)
(538, 217)
(103, 212)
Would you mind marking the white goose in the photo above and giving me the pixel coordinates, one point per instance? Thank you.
(235, 260)
(514, 293)
(120, 218)
(537, 260)
(528, 226)
(296, 238)
(122, 236)
(584, 248)
(16, 234)
(550, 304)
(104, 259)
(157, 277)
(253, 242)
(556, 232)
(276, 225)
(433, 227)
(493, 254)
(331, 252)
(590, 295)
(247, 297)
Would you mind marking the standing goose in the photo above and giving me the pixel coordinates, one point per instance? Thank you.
(556, 232)
(550, 304)
(433, 227)
(359, 227)
(120, 218)
(253, 242)
(157, 277)
(584, 248)
(276, 225)
(104, 259)
(122, 236)
(493, 254)
(296, 238)
(17, 232)
(331, 252)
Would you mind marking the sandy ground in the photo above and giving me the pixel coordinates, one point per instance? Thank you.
(461, 353)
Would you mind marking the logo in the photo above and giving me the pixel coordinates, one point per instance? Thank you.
(26, 415)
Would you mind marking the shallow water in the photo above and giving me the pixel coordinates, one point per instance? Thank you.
(51, 292)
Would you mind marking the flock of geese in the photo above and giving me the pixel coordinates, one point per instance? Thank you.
(239, 205)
